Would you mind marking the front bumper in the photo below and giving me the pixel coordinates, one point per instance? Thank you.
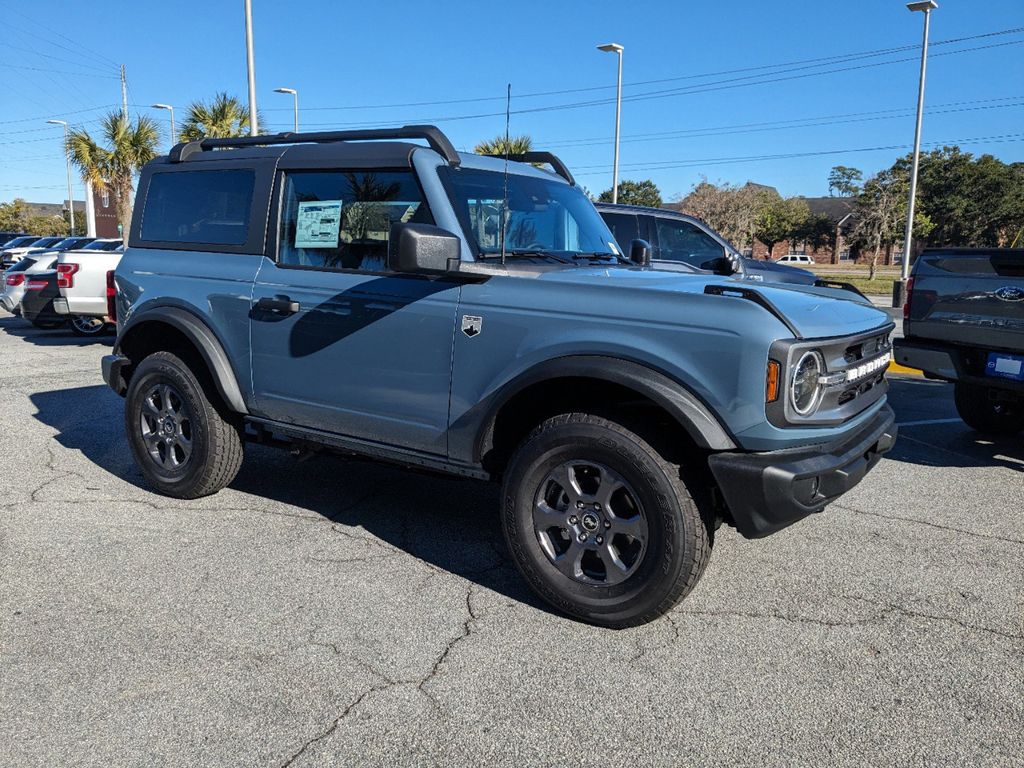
(112, 365)
(767, 491)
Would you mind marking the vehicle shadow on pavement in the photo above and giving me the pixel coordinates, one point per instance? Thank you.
(18, 328)
(449, 523)
(950, 442)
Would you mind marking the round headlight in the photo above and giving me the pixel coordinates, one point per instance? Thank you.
(804, 390)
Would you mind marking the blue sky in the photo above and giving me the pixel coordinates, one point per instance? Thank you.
(714, 89)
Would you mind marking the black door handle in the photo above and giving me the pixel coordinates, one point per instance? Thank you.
(281, 305)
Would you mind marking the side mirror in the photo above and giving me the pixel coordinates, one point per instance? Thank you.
(640, 253)
(423, 248)
(723, 265)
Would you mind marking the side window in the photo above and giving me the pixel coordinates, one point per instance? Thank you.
(682, 241)
(198, 207)
(342, 219)
(623, 226)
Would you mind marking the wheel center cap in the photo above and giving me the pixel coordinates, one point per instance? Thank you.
(168, 426)
(590, 521)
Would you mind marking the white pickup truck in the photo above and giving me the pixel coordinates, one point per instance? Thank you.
(82, 278)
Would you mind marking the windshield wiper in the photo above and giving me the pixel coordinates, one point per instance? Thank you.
(602, 256)
(527, 253)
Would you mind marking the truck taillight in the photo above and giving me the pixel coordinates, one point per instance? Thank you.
(111, 297)
(66, 275)
(15, 279)
(906, 299)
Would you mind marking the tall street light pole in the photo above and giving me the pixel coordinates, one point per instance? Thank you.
(900, 289)
(617, 49)
(170, 109)
(250, 69)
(295, 96)
(67, 160)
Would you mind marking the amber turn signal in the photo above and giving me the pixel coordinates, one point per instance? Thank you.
(771, 389)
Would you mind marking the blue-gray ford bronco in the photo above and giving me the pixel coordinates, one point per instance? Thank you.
(368, 294)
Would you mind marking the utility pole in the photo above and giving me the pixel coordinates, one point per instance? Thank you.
(899, 297)
(616, 49)
(67, 160)
(124, 93)
(251, 69)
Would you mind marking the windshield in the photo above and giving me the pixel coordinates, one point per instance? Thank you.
(69, 242)
(102, 245)
(543, 216)
(21, 242)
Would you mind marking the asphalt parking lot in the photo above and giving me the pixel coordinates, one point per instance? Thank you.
(324, 612)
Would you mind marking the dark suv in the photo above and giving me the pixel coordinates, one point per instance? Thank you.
(679, 241)
(473, 316)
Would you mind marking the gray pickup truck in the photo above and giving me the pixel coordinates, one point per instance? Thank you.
(964, 322)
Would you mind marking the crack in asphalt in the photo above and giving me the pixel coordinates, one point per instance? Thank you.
(887, 610)
(468, 625)
(918, 521)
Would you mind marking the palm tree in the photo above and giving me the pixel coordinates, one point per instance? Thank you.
(499, 145)
(127, 148)
(224, 117)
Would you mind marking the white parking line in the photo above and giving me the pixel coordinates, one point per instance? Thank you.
(925, 422)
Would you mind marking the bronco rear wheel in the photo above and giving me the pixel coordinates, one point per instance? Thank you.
(600, 523)
(184, 446)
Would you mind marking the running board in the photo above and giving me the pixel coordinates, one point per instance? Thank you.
(369, 449)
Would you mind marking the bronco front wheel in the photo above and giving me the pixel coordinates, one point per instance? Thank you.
(600, 523)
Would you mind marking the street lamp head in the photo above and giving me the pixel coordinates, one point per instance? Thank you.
(162, 106)
(292, 91)
(610, 48)
(923, 5)
(57, 122)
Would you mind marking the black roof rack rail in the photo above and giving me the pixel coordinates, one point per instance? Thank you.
(544, 157)
(434, 136)
(757, 297)
(822, 282)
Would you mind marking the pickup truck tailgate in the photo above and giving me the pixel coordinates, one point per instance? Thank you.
(971, 296)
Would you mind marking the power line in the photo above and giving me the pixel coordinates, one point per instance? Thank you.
(689, 163)
(79, 48)
(55, 71)
(702, 88)
(55, 114)
(820, 61)
(777, 125)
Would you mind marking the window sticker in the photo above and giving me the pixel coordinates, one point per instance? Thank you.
(317, 224)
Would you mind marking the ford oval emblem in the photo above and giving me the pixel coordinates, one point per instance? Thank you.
(1010, 293)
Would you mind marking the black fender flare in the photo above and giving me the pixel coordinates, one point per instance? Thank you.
(203, 339)
(675, 398)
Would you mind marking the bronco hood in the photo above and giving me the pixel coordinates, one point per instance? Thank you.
(812, 312)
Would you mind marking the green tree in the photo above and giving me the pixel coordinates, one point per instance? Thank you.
(844, 181)
(223, 117)
(47, 225)
(644, 192)
(14, 216)
(817, 230)
(779, 219)
(112, 166)
(499, 145)
(971, 201)
(882, 214)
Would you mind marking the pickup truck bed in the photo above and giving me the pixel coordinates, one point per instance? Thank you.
(964, 322)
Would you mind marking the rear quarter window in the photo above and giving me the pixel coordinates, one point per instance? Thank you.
(198, 207)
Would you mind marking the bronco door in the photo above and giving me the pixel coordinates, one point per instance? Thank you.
(339, 343)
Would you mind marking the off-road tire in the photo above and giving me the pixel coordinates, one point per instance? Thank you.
(981, 413)
(679, 535)
(216, 438)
